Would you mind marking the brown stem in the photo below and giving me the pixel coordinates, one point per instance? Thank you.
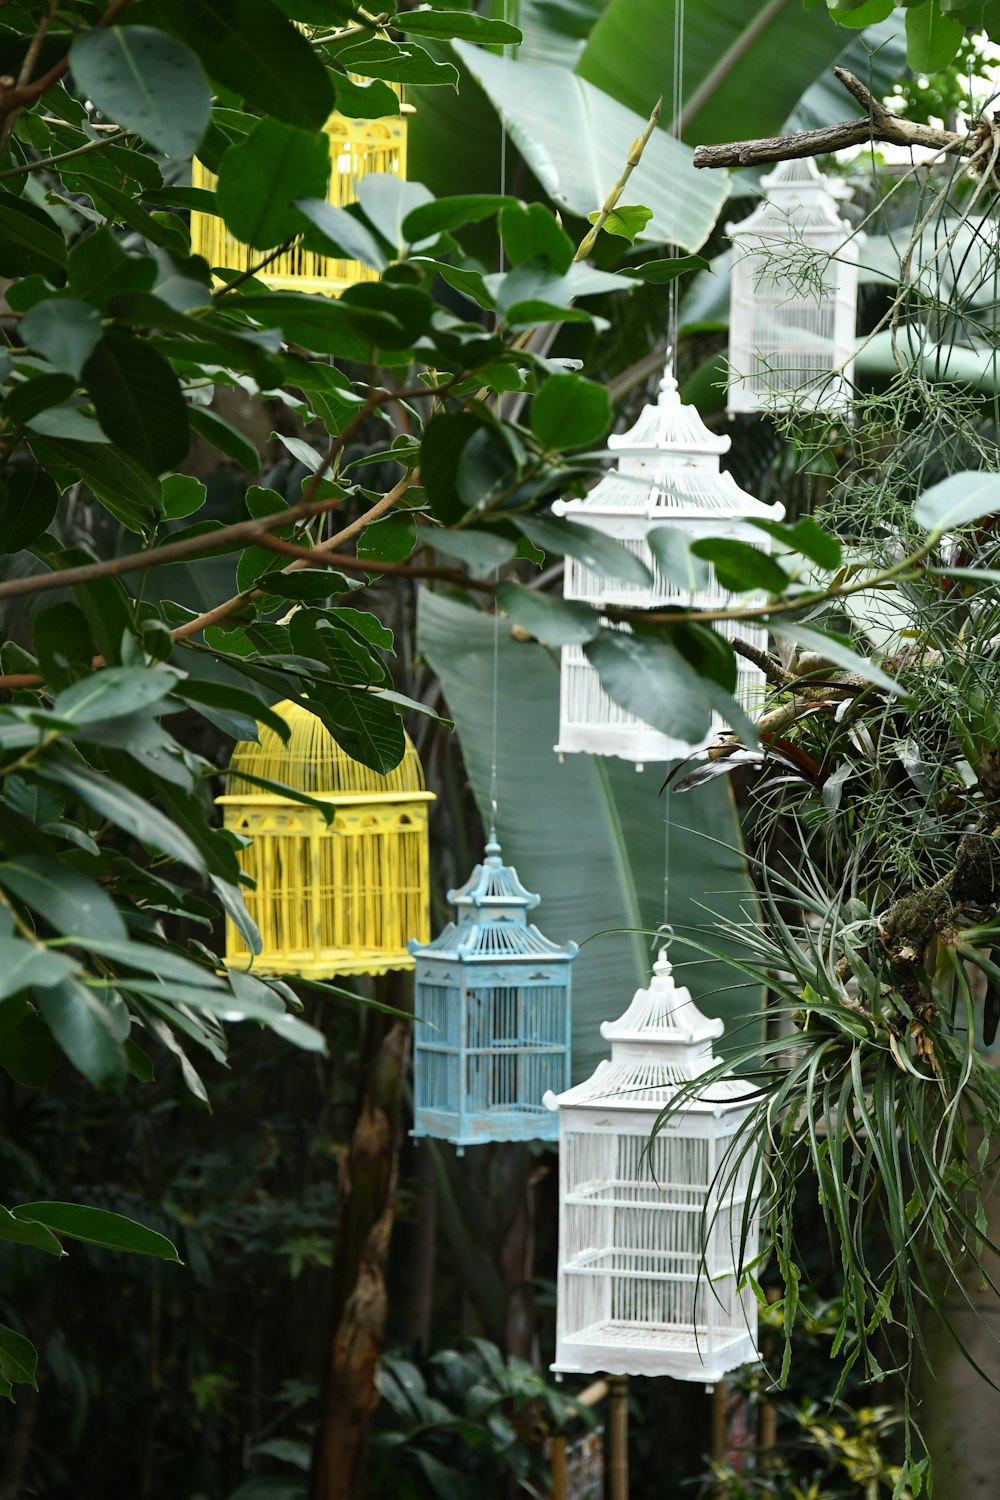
(878, 124)
(252, 271)
(347, 564)
(11, 100)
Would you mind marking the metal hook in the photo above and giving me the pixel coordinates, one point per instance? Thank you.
(662, 937)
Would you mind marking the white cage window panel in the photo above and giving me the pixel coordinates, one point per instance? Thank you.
(793, 297)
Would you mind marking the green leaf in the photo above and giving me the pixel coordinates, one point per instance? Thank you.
(932, 39)
(132, 496)
(29, 1055)
(651, 679)
(113, 692)
(260, 178)
(224, 436)
(238, 699)
(600, 552)
(529, 232)
(17, 1357)
(742, 63)
(371, 100)
(389, 540)
(251, 48)
(554, 621)
(23, 964)
(306, 584)
(138, 400)
(807, 538)
(740, 566)
(83, 1029)
(67, 900)
(182, 495)
(837, 649)
(627, 222)
(18, 1232)
(367, 727)
(28, 501)
(146, 81)
(955, 501)
(158, 960)
(397, 62)
(30, 240)
(97, 1226)
(388, 201)
(342, 234)
(99, 267)
(480, 551)
(576, 140)
(63, 644)
(661, 272)
(445, 25)
(570, 412)
(445, 214)
(65, 331)
(671, 546)
(123, 807)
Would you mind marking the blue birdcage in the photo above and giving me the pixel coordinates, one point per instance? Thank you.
(492, 1009)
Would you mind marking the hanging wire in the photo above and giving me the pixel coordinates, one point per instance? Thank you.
(664, 934)
(496, 571)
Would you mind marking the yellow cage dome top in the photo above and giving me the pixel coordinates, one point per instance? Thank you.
(329, 898)
(313, 762)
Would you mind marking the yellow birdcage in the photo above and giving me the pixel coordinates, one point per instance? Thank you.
(337, 898)
(357, 147)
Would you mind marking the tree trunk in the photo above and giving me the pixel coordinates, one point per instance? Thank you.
(358, 1292)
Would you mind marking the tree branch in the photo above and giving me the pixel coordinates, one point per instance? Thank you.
(878, 124)
(310, 556)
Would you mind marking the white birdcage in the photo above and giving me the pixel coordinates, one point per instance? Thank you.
(667, 474)
(793, 297)
(652, 1234)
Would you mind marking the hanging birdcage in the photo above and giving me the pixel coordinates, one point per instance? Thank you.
(337, 898)
(667, 474)
(652, 1235)
(793, 297)
(492, 1016)
(358, 148)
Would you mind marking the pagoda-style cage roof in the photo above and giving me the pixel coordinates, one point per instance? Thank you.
(659, 1045)
(492, 924)
(668, 468)
(796, 195)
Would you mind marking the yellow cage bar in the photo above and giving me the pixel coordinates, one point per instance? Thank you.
(338, 898)
(357, 147)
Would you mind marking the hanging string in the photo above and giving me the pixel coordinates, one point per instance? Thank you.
(677, 105)
(665, 933)
(496, 571)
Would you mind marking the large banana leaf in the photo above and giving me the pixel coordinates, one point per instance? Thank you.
(746, 61)
(576, 140)
(589, 834)
(876, 55)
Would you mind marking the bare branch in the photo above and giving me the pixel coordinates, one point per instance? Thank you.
(877, 125)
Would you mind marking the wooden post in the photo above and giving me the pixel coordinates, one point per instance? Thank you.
(558, 1466)
(617, 1437)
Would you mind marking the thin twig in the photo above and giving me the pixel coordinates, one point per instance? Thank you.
(252, 271)
(310, 556)
(51, 161)
(632, 161)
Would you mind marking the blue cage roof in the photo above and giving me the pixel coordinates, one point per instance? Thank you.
(492, 923)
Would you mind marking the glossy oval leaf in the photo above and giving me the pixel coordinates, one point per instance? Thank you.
(955, 501)
(570, 412)
(83, 1029)
(550, 619)
(251, 48)
(66, 332)
(651, 679)
(739, 566)
(260, 178)
(146, 81)
(592, 547)
(138, 400)
(97, 1226)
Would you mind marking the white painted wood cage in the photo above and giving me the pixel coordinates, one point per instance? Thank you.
(491, 1033)
(649, 1248)
(667, 474)
(793, 297)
